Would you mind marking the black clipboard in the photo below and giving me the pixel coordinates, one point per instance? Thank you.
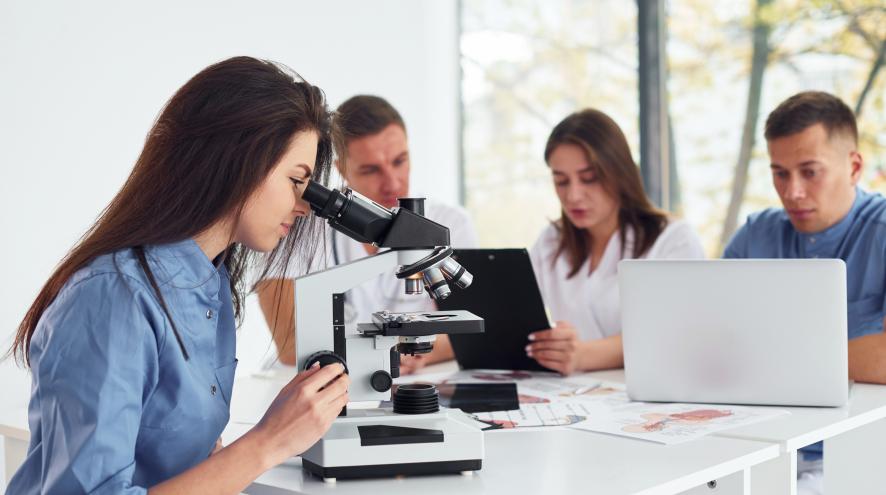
(505, 294)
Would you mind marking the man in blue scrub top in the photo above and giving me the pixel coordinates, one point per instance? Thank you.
(813, 146)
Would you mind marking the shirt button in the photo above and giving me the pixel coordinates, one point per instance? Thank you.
(212, 390)
(812, 240)
(209, 314)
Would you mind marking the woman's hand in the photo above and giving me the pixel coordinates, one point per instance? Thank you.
(302, 412)
(555, 348)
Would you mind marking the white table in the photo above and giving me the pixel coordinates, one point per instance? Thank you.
(556, 460)
(553, 460)
(14, 430)
(854, 437)
(562, 461)
(759, 458)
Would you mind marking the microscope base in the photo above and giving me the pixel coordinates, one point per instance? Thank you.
(363, 444)
(391, 470)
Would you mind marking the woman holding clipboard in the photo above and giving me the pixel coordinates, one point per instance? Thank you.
(606, 217)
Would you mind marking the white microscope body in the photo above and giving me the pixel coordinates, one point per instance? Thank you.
(371, 442)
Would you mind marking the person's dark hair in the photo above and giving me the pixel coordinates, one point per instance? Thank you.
(808, 108)
(364, 115)
(211, 147)
(609, 156)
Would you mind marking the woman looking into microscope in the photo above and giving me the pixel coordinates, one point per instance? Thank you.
(131, 341)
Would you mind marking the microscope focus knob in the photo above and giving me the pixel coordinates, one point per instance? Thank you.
(325, 358)
(381, 381)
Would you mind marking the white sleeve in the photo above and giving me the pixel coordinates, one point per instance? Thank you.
(461, 228)
(678, 241)
(540, 256)
(463, 233)
(320, 259)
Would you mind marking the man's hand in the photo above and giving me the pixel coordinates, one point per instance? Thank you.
(867, 358)
(411, 364)
(442, 352)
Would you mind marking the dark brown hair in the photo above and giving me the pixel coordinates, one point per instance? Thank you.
(609, 156)
(213, 144)
(808, 108)
(365, 115)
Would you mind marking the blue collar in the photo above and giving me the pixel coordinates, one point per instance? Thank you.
(826, 243)
(184, 265)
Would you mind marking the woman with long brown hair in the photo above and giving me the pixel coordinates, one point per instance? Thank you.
(131, 342)
(606, 217)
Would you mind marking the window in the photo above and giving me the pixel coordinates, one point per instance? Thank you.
(526, 65)
(831, 46)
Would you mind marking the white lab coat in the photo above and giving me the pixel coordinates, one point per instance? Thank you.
(590, 302)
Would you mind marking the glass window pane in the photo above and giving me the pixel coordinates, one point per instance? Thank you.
(526, 66)
(828, 45)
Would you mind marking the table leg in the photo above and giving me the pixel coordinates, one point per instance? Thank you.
(853, 461)
(777, 476)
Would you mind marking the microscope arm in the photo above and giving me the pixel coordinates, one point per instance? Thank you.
(314, 301)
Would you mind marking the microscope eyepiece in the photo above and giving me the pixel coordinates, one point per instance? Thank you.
(415, 205)
(350, 213)
(325, 202)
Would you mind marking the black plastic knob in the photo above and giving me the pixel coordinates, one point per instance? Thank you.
(416, 398)
(381, 381)
(325, 358)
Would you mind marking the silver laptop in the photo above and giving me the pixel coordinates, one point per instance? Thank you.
(735, 331)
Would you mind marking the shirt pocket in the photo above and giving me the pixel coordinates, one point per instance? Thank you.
(224, 376)
(865, 316)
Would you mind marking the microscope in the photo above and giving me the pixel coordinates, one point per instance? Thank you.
(415, 435)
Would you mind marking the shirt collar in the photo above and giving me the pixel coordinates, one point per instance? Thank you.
(829, 239)
(186, 266)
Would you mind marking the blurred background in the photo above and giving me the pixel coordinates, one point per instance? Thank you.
(480, 84)
(724, 65)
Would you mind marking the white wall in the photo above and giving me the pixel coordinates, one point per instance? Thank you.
(82, 82)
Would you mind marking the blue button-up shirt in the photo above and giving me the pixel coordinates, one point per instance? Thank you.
(859, 239)
(115, 407)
